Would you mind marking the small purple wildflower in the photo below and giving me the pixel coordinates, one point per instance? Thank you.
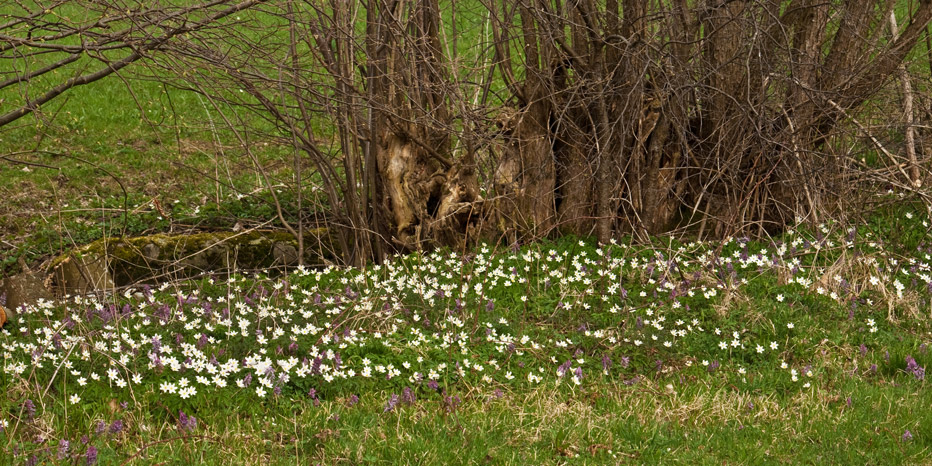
(29, 408)
(713, 366)
(392, 402)
(450, 403)
(863, 349)
(907, 436)
(116, 427)
(100, 428)
(407, 396)
(63, 447)
(186, 422)
(91, 455)
(563, 368)
(914, 368)
(352, 400)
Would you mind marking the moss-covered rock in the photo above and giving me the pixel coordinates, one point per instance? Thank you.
(163, 257)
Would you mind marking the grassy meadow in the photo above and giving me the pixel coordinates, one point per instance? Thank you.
(810, 348)
(807, 348)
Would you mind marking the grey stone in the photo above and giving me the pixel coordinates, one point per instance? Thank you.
(21, 290)
(81, 274)
(285, 253)
(151, 251)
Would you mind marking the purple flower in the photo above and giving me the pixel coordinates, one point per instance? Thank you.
(91, 455)
(907, 436)
(101, 427)
(186, 422)
(312, 394)
(914, 368)
(606, 363)
(863, 349)
(63, 447)
(713, 366)
(432, 384)
(29, 408)
(116, 427)
(564, 368)
(156, 344)
(450, 403)
(407, 396)
(392, 402)
(353, 399)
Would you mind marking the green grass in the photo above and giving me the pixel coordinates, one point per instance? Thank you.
(154, 142)
(831, 382)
